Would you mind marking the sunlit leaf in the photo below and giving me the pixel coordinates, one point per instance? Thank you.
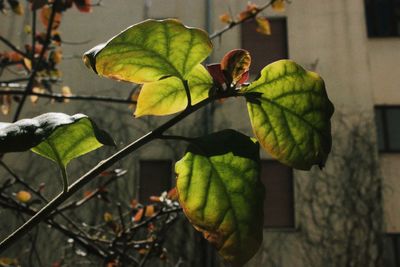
(149, 51)
(221, 194)
(23, 196)
(290, 114)
(278, 5)
(168, 96)
(263, 26)
(56, 136)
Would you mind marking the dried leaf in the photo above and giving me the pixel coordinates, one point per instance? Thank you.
(28, 63)
(66, 91)
(39, 90)
(138, 216)
(6, 262)
(23, 196)
(251, 9)
(150, 209)
(172, 194)
(45, 13)
(278, 5)
(225, 18)
(264, 27)
(56, 56)
(107, 217)
(5, 101)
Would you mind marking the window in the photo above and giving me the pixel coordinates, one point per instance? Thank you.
(279, 194)
(265, 49)
(155, 178)
(383, 18)
(388, 128)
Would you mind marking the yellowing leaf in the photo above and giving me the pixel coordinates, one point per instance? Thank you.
(278, 5)
(221, 194)
(290, 114)
(23, 196)
(149, 51)
(168, 96)
(27, 29)
(264, 26)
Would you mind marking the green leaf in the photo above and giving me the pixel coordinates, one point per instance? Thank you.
(168, 96)
(290, 114)
(56, 136)
(149, 51)
(221, 194)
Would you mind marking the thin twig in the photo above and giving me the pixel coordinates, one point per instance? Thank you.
(236, 23)
(60, 97)
(37, 64)
(13, 47)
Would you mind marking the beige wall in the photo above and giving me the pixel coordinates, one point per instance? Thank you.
(358, 71)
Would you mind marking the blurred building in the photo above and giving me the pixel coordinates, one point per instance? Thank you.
(355, 46)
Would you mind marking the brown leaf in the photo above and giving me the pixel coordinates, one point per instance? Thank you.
(225, 18)
(264, 26)
(45, 13)
(23, 196)
(138, 216)
(278, 5)
(150, 209)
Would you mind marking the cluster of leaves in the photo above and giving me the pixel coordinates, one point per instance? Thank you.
(218, 181)
(253, 11)
(44, 54)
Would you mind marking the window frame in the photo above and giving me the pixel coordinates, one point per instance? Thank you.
(386, 142)
(371, 18)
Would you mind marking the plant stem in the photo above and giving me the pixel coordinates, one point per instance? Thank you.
(36, 66)
(97, 170)
(60, 97)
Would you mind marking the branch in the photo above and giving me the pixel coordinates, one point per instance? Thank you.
(13, 47)
(233, 24)
(90, 175)
(60, 97)
(38, 62)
